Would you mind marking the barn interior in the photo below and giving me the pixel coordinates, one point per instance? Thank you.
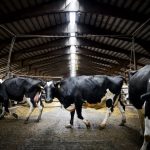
(55, 39)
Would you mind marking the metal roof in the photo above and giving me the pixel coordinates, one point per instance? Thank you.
(103, 30)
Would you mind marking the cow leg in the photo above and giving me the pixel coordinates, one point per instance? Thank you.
(40, 107)
(3, 112)
(5, 108)
(146, 134)
(144, 146)
(121, 108)
(141, 118)
(108, 113)
(30, 110)
(71, 120)
(79, 114)
(147, 126)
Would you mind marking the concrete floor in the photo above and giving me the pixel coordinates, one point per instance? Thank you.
(50, 133)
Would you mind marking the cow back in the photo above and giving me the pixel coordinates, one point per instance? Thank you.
(138, 85)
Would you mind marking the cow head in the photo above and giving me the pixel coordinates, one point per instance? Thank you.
(50, 89)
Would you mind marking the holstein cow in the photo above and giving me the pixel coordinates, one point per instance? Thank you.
(74, 91)
(139, 96)
(19, 88)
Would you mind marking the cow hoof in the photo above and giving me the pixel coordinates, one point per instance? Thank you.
(102, 126)
(68, 126)
(2, 117)
(15, 115)
(88, 126)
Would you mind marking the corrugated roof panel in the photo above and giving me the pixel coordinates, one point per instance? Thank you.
(17, 46)
(133, 28)
(39, 1)
(19, 27)
(110, 41)
(142, 32)
(63, 17)
(128, 3)
(105, 40)
(31, 2)
(81, 19)
(120, 3)
(58, 19)
(135, 5)
(146, 36)
(112, 2)
(109, 24)
(67, 17)
(126, 27)
(30, 24)
(147, 11)
(24, 26)
(11, 28)
(143, 6)
(23, 44)
(35, 23)
(103, 24)
(118, 43)
(96, 38)
(4, 34)
(40, 22)
(9, 5)
(44, 40)
(139, 49)
(92, 20)
(24, 3)
(3, 9)
(87, 18)
(123, 29)
(114, 42)
(144, 60)
(115, 24)
(52, 19)
(121, 26)
(98, 20)
(16, 4)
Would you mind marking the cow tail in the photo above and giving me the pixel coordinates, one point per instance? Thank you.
(145, 97)
(114, 101)
(121, 103)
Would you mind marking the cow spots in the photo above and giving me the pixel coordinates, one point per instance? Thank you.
(68, 126)
(87, 123)
(49, 83)
(71, 108)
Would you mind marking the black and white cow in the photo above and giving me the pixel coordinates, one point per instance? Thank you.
(19, 88)
(74, 91)
(139, 96)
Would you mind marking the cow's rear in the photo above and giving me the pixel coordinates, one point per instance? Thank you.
(139, 96)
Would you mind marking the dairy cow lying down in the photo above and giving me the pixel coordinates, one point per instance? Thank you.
(18, 88)
(139, 96)
(74, 91)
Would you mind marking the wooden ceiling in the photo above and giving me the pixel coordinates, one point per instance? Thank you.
(104, 31)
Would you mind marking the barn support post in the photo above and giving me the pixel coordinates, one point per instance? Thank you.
(134, 58)
(9, 58)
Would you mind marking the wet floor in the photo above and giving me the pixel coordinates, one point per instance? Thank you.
(50, 133)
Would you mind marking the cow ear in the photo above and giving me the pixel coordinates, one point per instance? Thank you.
(57, 84)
